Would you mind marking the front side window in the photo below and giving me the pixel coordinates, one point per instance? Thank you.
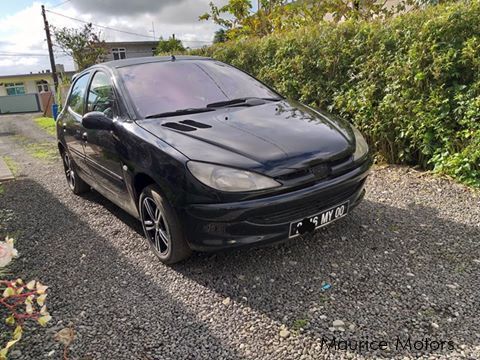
(76, 99)
(168, 86)
(15, 89)
(119, 53)
(42, 86)
(101, 95)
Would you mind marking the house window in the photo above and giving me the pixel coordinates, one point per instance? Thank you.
(42, 86)
(15, 89)
(119, 53)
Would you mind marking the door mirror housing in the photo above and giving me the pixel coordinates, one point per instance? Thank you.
(97, 120)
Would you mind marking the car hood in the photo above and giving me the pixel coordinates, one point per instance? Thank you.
(266, 138)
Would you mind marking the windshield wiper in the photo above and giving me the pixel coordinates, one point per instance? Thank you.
(179, 112)
(249, 101)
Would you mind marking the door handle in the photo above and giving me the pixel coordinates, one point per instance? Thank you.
(84, 136)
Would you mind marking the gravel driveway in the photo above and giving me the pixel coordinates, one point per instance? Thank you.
(405, 264)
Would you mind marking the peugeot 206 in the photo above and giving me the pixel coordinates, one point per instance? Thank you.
(206, 156)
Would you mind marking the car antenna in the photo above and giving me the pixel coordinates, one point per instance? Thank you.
(173, 58)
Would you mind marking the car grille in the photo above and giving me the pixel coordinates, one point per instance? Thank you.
(319, 171)
(307, 207)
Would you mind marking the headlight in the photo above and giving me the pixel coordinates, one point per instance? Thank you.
(229, 179)
(361, 146)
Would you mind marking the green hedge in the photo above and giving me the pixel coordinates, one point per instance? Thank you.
(411, 84)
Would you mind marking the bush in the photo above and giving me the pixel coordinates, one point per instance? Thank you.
(411, 83)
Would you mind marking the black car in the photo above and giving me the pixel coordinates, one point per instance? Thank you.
(206, 156)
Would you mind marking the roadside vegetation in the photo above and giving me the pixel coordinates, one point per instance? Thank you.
(410, 82)
(46, 151)
(43, 151)
(11, 164)
(47, 124)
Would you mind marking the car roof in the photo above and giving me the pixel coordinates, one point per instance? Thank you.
(115, 64)
(150, 59)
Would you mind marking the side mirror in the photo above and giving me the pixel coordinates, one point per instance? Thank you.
(97, 120)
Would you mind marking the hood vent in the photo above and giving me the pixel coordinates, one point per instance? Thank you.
(196, 124)
(177, 126)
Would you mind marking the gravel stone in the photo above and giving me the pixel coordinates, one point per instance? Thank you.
(338, 323)
(123, 303)
(226, 301)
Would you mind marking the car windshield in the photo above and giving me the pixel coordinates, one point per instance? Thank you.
(162, 87)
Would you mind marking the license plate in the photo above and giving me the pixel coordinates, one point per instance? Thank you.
(316, 221)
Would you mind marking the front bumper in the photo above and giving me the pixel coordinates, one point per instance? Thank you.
(226, 225)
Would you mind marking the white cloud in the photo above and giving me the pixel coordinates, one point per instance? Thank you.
(18, 61)
(23, 31)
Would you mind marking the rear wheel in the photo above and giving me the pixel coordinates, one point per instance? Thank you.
(75, 183)
(162, 227)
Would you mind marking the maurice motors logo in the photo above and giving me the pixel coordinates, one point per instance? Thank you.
(396, 344)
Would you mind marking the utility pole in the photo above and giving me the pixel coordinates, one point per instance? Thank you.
(153, 31)
(50, 49)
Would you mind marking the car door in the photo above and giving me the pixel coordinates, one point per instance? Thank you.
(72, 122)
(102, 146)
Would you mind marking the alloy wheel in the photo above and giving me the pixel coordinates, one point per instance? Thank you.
(69, 172)
(156, 226)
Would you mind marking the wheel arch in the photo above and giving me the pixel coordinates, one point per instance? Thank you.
(61, 148)
(140, 181)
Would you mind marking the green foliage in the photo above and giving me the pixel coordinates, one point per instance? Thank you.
(44, 151)
(410, 83)
(299, 324)
(84, 45)
(236, 10)
(47, 124)
(220, 36)
(274, 16)
(11, 164)
(169, 46)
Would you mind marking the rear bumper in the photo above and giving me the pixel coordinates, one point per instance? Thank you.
(226, 225)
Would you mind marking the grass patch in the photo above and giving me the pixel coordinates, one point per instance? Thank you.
(47, 124)
(299, 324)
(2, 190)
(43, 151)
(12, 165)
(323, 298)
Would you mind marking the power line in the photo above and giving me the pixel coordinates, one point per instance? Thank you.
(100, 26)
(119, 30)
(2, 53)
(60, 4)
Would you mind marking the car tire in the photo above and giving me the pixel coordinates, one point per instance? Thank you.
(75, 182)
(161, 226)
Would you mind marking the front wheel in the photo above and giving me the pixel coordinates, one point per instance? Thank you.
(162, 227)
(75, 183)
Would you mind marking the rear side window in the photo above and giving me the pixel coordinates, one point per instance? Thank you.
(75, 102)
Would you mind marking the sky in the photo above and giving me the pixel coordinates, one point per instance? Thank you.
(23, 48)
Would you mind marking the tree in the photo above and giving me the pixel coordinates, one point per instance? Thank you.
(236, 10)
(83, 45)
(238, 20)
(220, 36)
(169, 46)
